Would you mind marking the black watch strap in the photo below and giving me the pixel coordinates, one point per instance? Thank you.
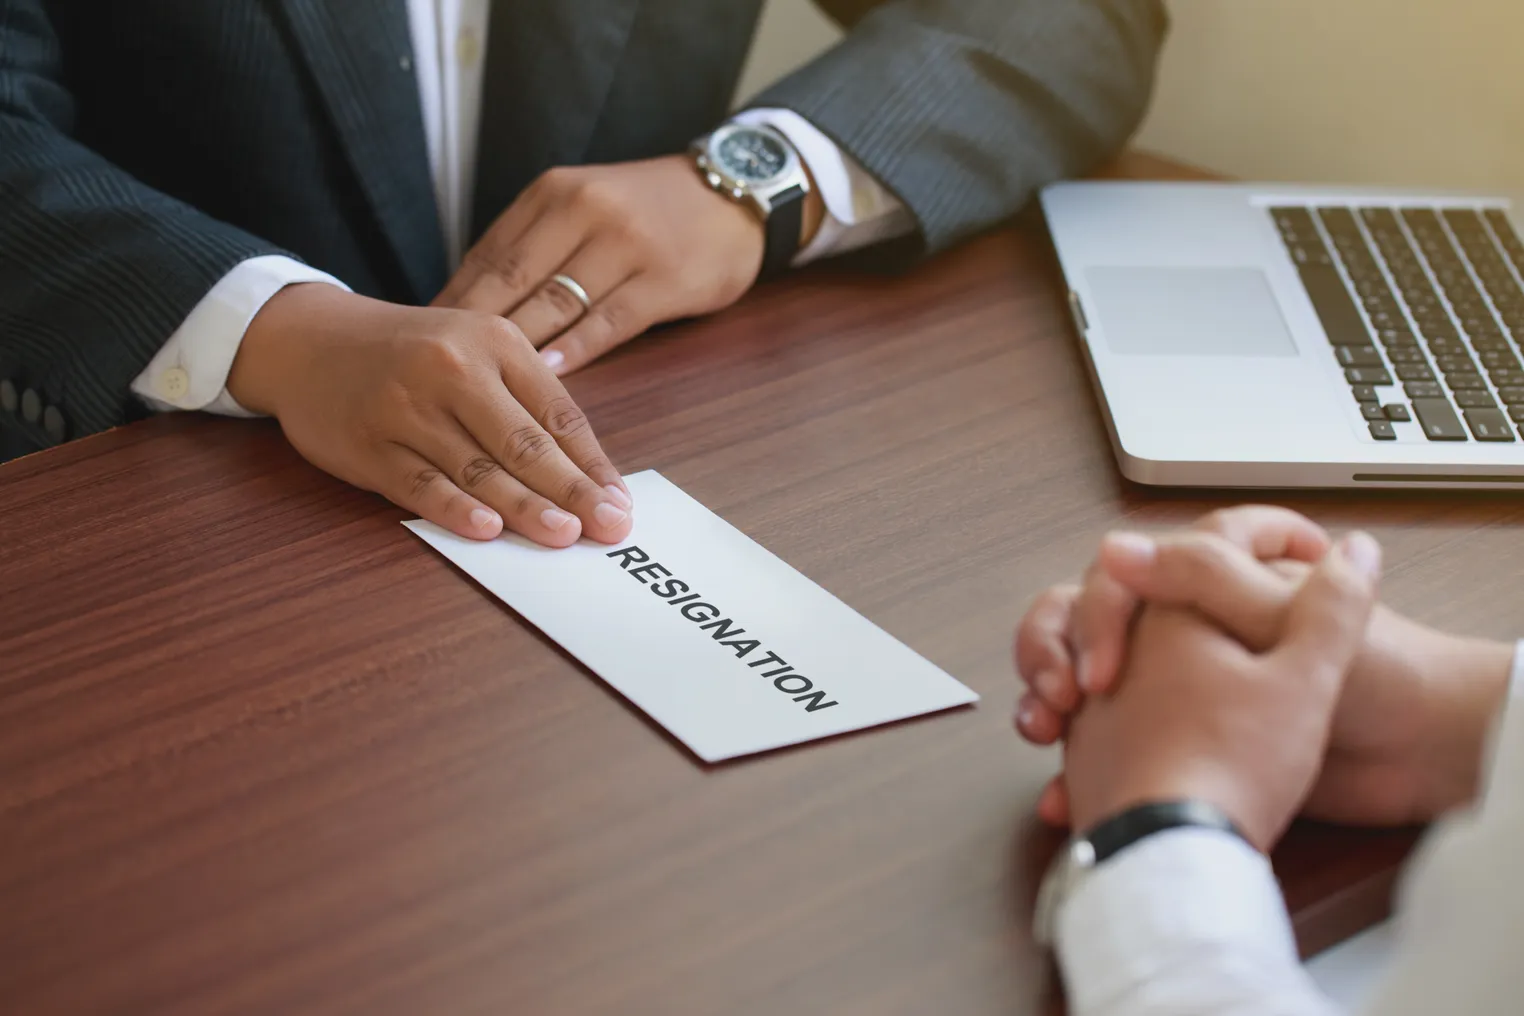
(784, 223)
(1139, 822)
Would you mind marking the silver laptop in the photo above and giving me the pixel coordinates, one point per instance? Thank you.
(1276, 336)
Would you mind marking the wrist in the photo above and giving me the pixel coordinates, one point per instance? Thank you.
(273, 343)
(814, 210)
(1181, 779)
(1468, 683)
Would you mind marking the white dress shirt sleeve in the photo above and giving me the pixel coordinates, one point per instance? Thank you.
(858, 209)
(1192, 921)
(191, 370)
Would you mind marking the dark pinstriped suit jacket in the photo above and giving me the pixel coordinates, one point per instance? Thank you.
(149, 146)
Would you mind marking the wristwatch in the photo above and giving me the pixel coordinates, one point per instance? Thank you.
(758, 167)
(1084, 853)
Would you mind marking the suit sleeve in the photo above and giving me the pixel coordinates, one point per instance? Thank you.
(964, 108)
(97, 270)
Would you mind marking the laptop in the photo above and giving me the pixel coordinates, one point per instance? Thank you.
(1244, 335)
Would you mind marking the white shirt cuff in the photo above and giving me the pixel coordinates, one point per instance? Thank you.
(1188, 920)
(858, 209)
(191, 370)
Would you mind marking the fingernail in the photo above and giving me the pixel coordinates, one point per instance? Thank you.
(483, 521)
(1362, 551)
(620, 497)
(1024, 715)
(553, 358)
(610, 515)
(1133, 548)
(556, 520)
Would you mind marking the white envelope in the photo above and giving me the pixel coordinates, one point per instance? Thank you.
(713, 637)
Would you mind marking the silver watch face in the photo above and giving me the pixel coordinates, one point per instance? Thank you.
(749, 155)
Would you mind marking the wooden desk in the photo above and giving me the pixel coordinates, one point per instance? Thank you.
(263, 751)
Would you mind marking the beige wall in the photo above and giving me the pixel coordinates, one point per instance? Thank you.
(1399, 91)
(791, 32)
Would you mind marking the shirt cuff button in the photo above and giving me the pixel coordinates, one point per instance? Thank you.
(173, 384)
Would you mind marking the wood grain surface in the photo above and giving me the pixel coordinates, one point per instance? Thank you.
(262, 751)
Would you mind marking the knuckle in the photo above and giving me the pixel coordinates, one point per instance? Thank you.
(640, 235)
(421, 481)
(1218, 520)
(601, 198)
(500, 331)
(561, 300)
(441, 357)
(525, 504)
(478, 471)
(557, 180)
(575, 489)
(1203, 556)
(563, 418)
(612, 318)
(506, 264)
(394, 400)
(524, 447)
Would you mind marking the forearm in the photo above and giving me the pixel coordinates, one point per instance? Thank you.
(97, 270)
(963, 108)
(1469, 687)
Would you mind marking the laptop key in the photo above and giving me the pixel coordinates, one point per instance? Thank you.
(1382, 430)
(1414, 372)
(1516, 413)
(1424, 390)
(1405, 354)
(1368, 375)
(1372, 411)
(1365, 393)
(1359, 356)
(1475, 400)
(1438, 420)
(1341, 319)
(1466, 383)
(1512, 395)
(1489, 425)
(1397, 413)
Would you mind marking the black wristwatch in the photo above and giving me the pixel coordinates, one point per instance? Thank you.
(1111, 837)
(757, 166)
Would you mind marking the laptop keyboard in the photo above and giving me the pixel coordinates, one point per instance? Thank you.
(1426, 317)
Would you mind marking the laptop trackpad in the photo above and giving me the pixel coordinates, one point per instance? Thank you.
(1189, 312)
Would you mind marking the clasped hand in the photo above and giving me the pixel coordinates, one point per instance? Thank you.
(1245, 662)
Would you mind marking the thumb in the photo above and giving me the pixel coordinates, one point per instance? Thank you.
(1325, 624)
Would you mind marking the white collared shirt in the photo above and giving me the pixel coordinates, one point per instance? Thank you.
(449, 39)
(1191, 922)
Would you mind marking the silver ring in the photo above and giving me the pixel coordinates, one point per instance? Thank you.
(570, 284)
